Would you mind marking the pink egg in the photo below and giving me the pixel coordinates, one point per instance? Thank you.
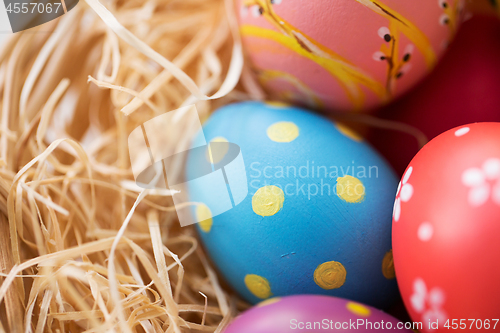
(345, 54)
(446, 230)
(314, 313)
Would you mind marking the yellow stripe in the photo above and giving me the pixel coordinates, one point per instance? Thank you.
(453, 13)
(269, 75)
(348, 75)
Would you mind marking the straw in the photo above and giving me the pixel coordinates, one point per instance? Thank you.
(83, 248)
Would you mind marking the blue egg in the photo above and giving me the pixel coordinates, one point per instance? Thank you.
(310, 205)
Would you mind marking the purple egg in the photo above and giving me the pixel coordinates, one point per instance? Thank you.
(314, 313)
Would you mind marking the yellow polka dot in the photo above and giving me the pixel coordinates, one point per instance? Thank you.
(388, 266)
(216, 153)
(284, 131)
(204, 117)
(330, 275)
(358, 309)
(268, 200)
(350, 189)
(349, 132)
(277, 104)
(269, 301)
(258, 286)
(204, 215)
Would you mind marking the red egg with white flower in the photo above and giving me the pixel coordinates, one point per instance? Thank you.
(446, 231)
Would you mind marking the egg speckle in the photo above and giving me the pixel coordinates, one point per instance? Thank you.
(269, 301)
(204, 215)
(214, 156)
(258, 286)
(268, 200)
(358, 309)
(330, 275)
(284, 131)
(388, 266)
(350, 189)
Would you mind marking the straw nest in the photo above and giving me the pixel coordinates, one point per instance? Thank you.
(83, 249)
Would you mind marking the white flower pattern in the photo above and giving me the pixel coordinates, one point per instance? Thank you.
(404, 194)
(484, 183)
(428, 303)
(462, 131)
(425, 232)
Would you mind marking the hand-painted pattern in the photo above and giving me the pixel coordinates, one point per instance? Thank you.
(428, 302)
(266, 76)
(399, 24)
(396, 66)
(349, 76)
(403, 194)
(484, 183)
(451, 16)
(352, 79)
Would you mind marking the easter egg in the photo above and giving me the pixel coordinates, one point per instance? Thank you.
(446, 230)
(484, 7)
(313, 313)
(317, 216)
(464, 88)
(346, 54)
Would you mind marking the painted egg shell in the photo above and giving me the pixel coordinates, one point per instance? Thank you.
(488, 7)
(446, 229)
(345, 54)
(313, 313)
(317, 217)
(462, 89)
